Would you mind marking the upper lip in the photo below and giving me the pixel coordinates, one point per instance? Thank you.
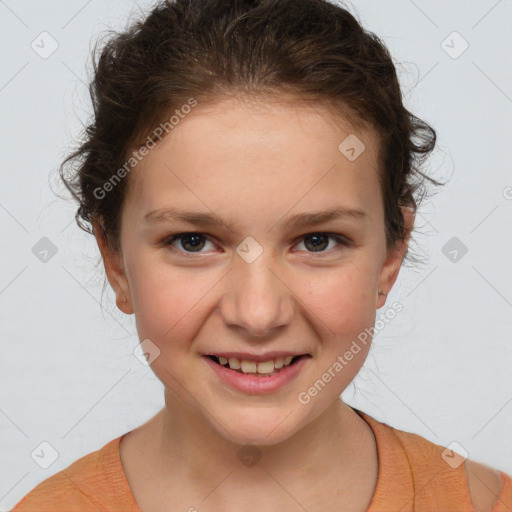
(256, 357)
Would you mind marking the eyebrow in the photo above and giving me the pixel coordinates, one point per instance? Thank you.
(211, 219)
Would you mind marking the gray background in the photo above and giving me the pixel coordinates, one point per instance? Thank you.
(441, 368)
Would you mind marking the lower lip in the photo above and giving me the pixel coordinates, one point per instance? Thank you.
(257, 385)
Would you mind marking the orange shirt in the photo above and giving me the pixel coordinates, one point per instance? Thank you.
(412, 476)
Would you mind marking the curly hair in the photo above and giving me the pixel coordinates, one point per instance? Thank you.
(209, 49)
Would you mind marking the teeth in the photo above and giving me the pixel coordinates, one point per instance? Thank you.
(264, 367)
(234, 363)
(249, 366)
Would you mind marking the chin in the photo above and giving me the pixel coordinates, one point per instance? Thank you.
(256, 436)
(259, 429)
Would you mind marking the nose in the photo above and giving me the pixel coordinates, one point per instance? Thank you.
(258, 303)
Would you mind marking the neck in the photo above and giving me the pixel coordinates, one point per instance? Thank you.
(333, 440)
(177, 457)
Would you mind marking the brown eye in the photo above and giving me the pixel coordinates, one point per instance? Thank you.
(319, 242)
(189, 242)
(316, 242)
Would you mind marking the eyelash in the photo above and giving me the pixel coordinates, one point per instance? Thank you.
(338, 238)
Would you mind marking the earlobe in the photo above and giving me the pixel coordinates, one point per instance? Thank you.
(112, 262)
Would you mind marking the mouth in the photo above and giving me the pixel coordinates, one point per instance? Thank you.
(257, 368)
(259, 375)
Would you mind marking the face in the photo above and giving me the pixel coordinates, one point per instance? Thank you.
(262, 279)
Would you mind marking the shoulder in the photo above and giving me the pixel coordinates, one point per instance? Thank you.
(77, 488)
(447, 475)
(484, 483)
(53, 493)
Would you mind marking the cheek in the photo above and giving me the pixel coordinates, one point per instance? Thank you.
(169, 302)
(341, 306)
(342, 299)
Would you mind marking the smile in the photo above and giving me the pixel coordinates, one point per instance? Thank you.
(249, 367)
(256, 377)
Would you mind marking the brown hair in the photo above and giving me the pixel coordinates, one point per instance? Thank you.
(209, 49)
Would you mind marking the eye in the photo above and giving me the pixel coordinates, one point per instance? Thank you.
(190, 242)
(318, 242)
(193, 242)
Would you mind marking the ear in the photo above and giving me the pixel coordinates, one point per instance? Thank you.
(113, 262)
(395, 255)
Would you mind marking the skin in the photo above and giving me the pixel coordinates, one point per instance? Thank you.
(253, 162)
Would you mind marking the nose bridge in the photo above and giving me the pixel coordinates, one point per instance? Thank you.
(258, 301)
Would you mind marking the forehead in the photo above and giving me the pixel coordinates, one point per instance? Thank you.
(259, 151)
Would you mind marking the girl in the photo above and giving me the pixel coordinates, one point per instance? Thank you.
(250, 179)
